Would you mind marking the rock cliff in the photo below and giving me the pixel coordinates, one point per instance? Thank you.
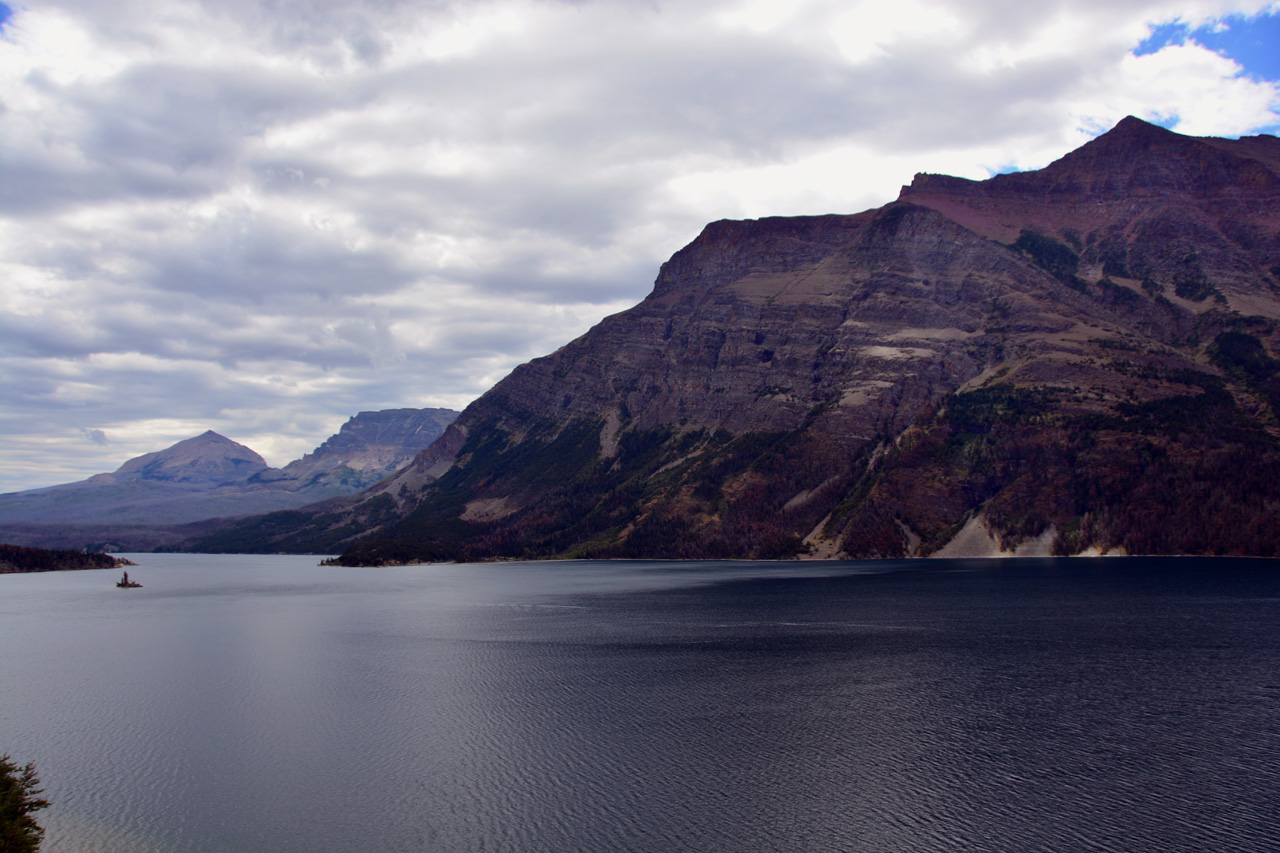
(369, 447)
(1082, 356)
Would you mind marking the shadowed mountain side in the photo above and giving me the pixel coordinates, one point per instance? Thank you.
(1082, 357)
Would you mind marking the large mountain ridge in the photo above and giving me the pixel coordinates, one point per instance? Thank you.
(1076, 359)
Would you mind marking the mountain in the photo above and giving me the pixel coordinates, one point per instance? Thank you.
(207, 461)
(1077, 359)
(369, 447)
(149, 500)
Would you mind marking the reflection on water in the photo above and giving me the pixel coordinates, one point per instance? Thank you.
(267, 704)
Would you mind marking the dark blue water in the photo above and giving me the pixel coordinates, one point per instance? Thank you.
(266, 704)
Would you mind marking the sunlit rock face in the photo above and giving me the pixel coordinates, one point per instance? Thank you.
(1082, 356)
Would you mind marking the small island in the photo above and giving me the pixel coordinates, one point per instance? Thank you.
(125, 583)
(15, 558)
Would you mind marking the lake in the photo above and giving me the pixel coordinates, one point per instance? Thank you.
(266, 704)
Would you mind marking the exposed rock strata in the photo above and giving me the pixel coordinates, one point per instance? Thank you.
(369, 447)
(1084, 354)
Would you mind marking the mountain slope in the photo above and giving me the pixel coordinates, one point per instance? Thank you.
(369, 447)
(1079, 357)
(207, 461)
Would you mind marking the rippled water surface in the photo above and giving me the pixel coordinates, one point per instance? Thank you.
(267, 704)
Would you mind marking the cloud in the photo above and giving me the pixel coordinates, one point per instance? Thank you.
(95, 436)
(263, 217)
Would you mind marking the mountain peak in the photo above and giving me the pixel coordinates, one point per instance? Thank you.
(206, 459)
(371, 445)
(1130, 139)
(1132, 125)
(1093, 189)
(823, 385)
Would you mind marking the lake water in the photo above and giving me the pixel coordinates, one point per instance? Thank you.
(267, 704)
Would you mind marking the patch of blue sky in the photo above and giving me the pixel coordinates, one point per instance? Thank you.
(5, 14)
(1253, 42)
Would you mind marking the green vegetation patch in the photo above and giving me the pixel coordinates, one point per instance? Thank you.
(1195, 287)
(19, 799)
(1115, 260)
(1243, 357)
(1053, 257)
(1118, 295)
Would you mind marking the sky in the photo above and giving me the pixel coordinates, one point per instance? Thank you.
(263, 216)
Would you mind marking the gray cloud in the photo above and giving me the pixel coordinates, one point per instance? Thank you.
(95, 436)
(261, 216)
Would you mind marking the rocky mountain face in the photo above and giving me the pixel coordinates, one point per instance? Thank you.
(370, 447)
(149, 500)
(1078, 358)
(207, 461)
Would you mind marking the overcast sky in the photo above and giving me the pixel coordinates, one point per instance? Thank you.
(263, 216)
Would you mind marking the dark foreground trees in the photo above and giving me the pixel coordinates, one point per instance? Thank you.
(19, 796)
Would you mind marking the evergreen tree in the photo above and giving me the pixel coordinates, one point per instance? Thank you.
(19, 797)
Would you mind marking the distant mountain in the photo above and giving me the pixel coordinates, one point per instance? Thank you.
(369, 447)
(207, 461)
(149, 499)
(1080, 358)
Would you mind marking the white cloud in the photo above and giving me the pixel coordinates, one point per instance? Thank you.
(262, 217)
(1203, 93)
